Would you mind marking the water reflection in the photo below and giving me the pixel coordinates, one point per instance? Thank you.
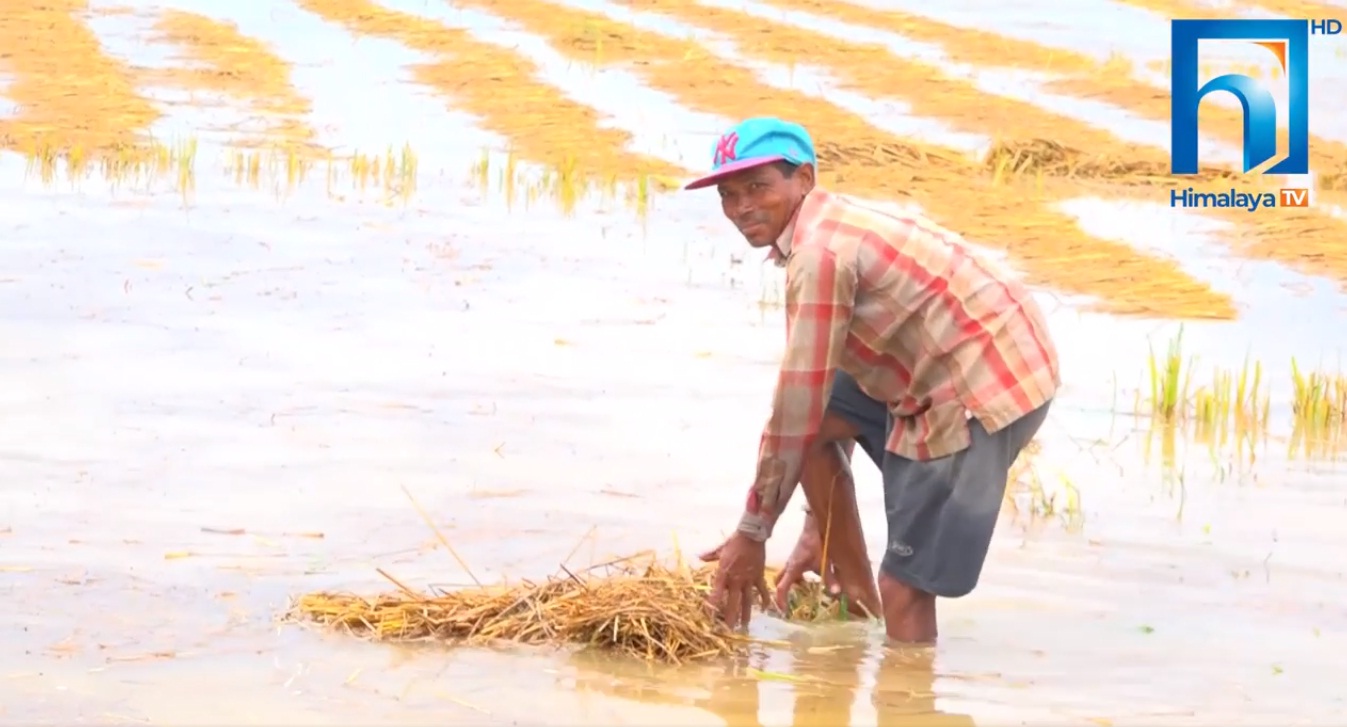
(821, 686)
(1176, 447)
(904, 692)
(393, 175)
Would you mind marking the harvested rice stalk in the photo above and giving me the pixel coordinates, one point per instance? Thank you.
(224, 60)
(1020, 216)
(503, 90)
(650, 612)
(810, 602)
(70, 94)
(1053, 159)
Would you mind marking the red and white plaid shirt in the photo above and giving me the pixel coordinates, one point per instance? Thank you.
(900, 304)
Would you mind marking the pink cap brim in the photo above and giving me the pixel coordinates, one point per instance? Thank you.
(731, 168)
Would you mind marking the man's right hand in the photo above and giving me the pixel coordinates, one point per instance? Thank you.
(853, 578)
(805, 558)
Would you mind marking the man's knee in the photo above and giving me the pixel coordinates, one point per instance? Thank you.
(918, 580)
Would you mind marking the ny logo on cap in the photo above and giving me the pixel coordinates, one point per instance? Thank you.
(725, 148)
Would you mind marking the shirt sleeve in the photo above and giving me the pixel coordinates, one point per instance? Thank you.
(820, 296)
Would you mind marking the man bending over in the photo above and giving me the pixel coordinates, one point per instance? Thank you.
(938, 365)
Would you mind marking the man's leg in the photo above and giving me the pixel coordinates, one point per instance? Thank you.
(831, 493)
(835, 516)
(941, 517)
(828, 485)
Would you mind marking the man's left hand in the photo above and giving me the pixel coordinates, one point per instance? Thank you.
(741, 572)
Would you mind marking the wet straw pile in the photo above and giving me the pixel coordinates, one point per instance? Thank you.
(887, 156)
(810, 602)
(1052, 159)
(634, 606)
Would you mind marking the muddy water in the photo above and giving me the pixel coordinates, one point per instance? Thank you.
(247, 365)
(554, 387)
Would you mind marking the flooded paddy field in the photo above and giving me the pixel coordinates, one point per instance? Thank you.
(268, 264)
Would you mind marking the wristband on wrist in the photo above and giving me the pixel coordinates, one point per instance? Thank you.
(755, 526)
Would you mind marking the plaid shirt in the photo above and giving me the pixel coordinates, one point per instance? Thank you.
(902, 306)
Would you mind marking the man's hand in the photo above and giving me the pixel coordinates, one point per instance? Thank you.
(740, 575)
(852, 578)
(805, 558)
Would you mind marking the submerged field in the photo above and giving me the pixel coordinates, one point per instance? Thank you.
(268, 264)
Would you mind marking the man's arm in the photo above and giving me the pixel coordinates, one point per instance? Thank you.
(820, 296)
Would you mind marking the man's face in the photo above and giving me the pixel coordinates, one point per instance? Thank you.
(760, 201)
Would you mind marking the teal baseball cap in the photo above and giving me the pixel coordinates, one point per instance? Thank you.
(754, 142)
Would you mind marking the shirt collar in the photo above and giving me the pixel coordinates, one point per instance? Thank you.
(785, 244)
(780, 251)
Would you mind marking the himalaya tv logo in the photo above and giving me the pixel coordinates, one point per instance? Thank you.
(1251, 201)
(1288, 41)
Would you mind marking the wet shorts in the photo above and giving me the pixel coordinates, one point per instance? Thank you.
(942, 512)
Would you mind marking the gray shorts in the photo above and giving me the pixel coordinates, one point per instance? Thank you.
(941, 513)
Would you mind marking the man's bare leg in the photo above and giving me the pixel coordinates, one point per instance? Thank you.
(909, 613)
(831, 492)
(941, 513)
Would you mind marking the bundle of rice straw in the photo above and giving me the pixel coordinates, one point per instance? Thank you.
(649, 611)
(880, 155)
(1050, 158)
(634, 606)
